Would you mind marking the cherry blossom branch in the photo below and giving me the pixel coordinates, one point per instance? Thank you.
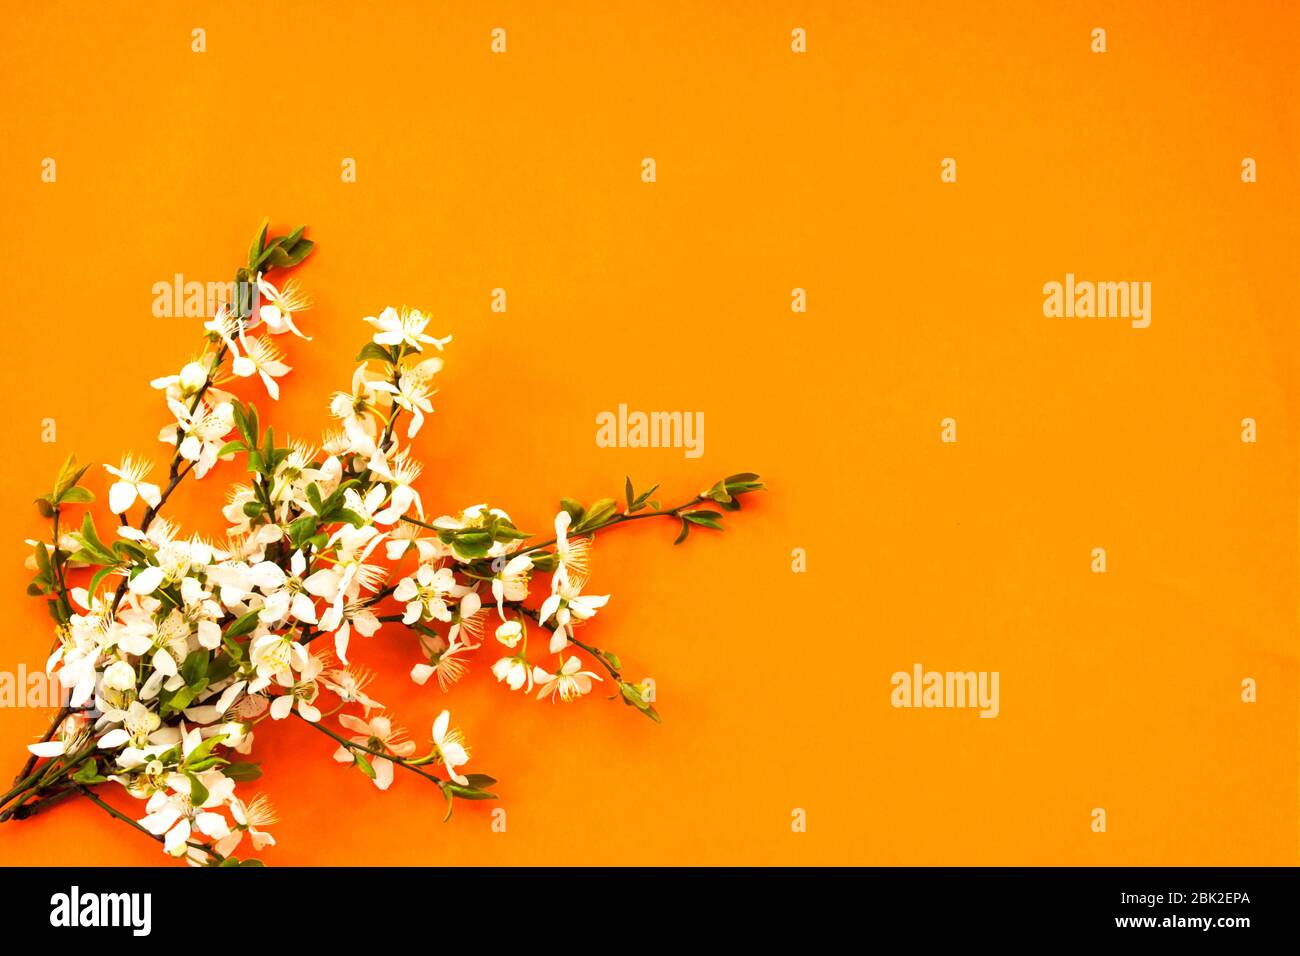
(619, 519)
(38, 781)
(62, 715)
(119, 815)
(352, 745)
(595, 652)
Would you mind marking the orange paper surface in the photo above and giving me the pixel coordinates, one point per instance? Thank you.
(775, 171)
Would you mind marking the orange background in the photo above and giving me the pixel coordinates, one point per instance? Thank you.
(775, 170)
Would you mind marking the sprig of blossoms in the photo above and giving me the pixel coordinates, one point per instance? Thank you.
(175, 649)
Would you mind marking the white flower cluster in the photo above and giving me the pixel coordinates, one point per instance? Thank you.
(170, 672)
(175, 648)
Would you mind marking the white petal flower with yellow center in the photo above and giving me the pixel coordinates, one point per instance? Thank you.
(515, 671)
(358, 409)
(138, 724)
(413, 392)
(250, 818)
(285, 593)
(569, 607)
(404, 328)
(511, 582)
(175, 818)
(402, 474)
(426, 592)
(573, 557)
(349, 686)
(69, 736)
(444, 660)
(302, 694)
(226, 327)
(449, 747)
(201, 432)
(378, 733)
(131, 484)
(570, 682)
(278, 306)
(261, 357)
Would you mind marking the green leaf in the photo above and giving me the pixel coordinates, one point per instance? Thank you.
(89, 541)
(708, 519)
(56, 612)
(301, 529)
(502, 530)
(42, 557)
(468, 793)
(740, 483)
(364, 764)
(627, 491)
(222, 666)
(243, 772)
(642, 498)
(243, 625)
(480, 780)
(195, 667)
(475, 544)
(90, 534)
(281, 256)
(128, 551)
(182, 698)
(45, 507)
(545, 561)
(351, 517)
(198, 792)
(207, 763)
(77, 496)
(373, 350)
(88, 773)
(574, 508)
(598, 514)
(69, 475)
(259, 243)
(205, 748)
(719, 492)
(97, 577)
(632, 697)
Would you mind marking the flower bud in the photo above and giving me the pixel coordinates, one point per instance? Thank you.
(509, 633)
(119, 676)
(193, 377)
